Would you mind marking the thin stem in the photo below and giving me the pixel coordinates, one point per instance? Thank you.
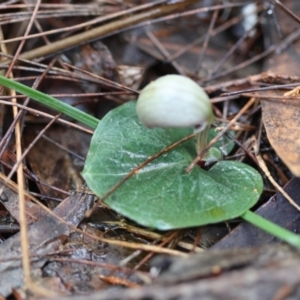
(216, 138)
(201, 139)
(272, 228)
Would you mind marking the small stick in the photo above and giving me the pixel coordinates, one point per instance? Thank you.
(140, 166)
(264, 168)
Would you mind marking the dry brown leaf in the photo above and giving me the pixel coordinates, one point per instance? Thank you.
(52, 164)
(281, 118)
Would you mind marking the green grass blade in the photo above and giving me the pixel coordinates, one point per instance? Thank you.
(272, 228)
(51, 102)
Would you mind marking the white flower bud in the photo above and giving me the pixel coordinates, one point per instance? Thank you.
(174, 101)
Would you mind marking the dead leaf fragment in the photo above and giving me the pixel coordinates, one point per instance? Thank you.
(281, 118)
(282, 122)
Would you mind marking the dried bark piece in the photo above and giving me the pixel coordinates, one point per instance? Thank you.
(263, 273)
(45, 235)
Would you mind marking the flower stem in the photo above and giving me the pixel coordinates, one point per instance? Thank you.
(272, 228)
(201, 139)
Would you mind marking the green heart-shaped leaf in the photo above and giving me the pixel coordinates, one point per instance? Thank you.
(162, 195)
